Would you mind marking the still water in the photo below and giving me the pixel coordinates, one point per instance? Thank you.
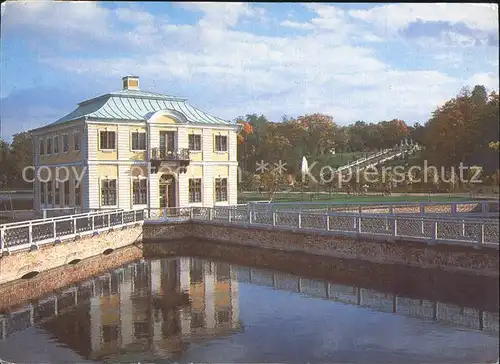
(141, 313)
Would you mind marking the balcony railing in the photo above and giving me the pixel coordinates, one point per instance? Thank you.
(170, 154)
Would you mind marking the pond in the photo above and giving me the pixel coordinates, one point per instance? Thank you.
(187, 309)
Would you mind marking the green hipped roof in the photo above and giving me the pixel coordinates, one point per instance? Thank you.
(136, 105)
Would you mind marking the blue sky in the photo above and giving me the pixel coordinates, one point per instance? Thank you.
(367, 62)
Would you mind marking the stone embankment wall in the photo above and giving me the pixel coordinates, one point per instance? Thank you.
(21, 291)
(433, 284)
(484, 260)
(48, 256)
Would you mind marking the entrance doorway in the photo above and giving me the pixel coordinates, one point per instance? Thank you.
(167, 191)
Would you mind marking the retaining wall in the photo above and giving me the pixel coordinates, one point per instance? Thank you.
(48, 256)
(484, 260)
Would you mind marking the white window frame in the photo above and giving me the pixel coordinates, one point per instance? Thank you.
(74, 193)
(132, 140)
(99, 140)
(215, 143)
(41, 146)
(43, 192)
(50, 192)
(62, 142)
(79, 133)
(201, 190)
(47, 149)
(57, 192)
(227, 189)
(100, 192)
(54, 144)
(132, 180)
(201, 143)
(67, 201)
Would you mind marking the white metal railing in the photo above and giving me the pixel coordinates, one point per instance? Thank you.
(61, 217)
(442, 228)
(462, 208)
(29, 234)
(430, 229)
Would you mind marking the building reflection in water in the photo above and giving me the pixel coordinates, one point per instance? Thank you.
(140, 308)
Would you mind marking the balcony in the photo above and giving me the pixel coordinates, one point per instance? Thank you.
(160, 156)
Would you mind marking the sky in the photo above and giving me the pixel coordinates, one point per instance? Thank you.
(368, 62)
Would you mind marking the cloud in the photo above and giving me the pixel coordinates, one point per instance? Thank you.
(488, 80)
(222, 15)
(334, 66)
(394, 17)
(296, 25)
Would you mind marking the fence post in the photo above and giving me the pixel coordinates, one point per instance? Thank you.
(30, 233)
(480, 238)
(250, 216)
(2, 239)
(74, 225)
(395, 228)
(109, 219)
(453, 208)
(121, 217)
(190, 213)
(462, 230)
(274, 218)
(211, 214)
(484, 207)
(435, 231)
(93, 224)
(229, 215)
(55, 229)
(300, 220)
(327, 223)
(358, 224)
(422, 209)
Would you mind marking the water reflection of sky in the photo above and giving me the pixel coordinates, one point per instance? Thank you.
(237, 316)
(287, 327)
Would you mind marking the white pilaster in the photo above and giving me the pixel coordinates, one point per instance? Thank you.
(124, 187)
(208, 191)
(155, 277)
(234, 296)
(209, 299)
(232, 185)
(153, 191)
(93, 186)
(207, 141)
(183, 189)
(95, 324)
(126, 310)
(184, 274)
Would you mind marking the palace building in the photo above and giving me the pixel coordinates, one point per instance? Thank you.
(135, 149)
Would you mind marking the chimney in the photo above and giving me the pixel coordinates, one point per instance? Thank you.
(130, 82)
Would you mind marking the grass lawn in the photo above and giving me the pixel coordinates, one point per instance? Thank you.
(324, 197)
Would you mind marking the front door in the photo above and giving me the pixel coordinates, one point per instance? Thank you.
(167, 191)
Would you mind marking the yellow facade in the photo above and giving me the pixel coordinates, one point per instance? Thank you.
(61, 157)
(94, 131)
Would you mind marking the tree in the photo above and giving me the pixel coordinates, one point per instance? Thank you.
(272, 181)
(21, 151)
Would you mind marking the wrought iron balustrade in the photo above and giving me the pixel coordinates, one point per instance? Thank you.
(164, 154)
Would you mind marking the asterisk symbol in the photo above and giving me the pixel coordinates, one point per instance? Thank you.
(262, 166)
(280, 167)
